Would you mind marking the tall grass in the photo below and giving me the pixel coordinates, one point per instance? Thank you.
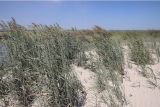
(139, 53)
(40, 62)
(109, 68)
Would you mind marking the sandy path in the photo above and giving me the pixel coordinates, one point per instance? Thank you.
(88, 80)
(138, 92)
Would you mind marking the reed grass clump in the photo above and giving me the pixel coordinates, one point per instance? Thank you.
(109, 69)
(40, 63)
(139, 53)
(155, 47)
(110, 51)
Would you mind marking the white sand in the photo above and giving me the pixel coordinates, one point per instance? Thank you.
(88, 80)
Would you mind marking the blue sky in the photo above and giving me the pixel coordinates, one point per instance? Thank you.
(115, 15)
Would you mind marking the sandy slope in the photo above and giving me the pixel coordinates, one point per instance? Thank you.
(138, 93)
(136, 88)
(88, 80)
